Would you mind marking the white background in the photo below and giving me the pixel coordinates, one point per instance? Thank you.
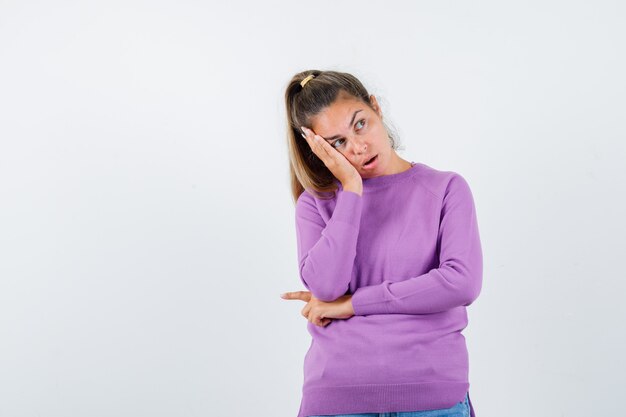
(146, 223)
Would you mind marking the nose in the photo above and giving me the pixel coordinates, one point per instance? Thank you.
(360, 147)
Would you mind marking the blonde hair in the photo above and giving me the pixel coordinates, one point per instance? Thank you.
(321, 89)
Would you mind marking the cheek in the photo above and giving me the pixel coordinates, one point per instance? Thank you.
(380, 137)
(377, 130)
(352, 159)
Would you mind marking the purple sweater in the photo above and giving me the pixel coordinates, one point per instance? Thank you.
(409, 252)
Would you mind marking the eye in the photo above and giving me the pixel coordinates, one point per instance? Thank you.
(342, 140)
(335, 142)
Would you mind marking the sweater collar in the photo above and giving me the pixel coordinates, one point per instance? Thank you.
(384, 180)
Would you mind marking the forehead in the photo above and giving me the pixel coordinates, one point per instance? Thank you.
(335, 118)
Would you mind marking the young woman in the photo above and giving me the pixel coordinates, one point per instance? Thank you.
(390, 254)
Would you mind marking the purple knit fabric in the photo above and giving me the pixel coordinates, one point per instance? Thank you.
(409, 252)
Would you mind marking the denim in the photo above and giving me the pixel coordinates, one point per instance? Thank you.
(460, 409)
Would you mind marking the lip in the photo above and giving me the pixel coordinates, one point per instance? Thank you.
(373, 164)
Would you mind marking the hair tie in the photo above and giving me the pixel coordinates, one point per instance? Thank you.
(306, 80)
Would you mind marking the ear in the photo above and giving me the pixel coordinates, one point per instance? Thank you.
(376, 105)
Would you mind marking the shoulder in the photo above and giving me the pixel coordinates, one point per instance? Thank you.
(309, 201)
(306, 202)
(311, 198)
(305, 198)
(441, 182)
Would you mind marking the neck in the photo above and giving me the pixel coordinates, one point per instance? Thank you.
(398, 165)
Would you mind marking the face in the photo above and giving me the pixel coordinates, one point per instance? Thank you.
(357, 132)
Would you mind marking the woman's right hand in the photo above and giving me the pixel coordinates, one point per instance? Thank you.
(338, 164)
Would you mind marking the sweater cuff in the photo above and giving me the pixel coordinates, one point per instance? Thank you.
(348, 208)
(369, 300)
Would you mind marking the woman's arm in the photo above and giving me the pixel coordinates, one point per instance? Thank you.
(326, 252)
(458, 279)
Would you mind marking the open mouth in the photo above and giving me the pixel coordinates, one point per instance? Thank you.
(368, 162)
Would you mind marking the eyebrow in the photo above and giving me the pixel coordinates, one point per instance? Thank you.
(350, 124)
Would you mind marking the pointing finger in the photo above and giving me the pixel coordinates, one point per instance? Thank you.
(296, 295)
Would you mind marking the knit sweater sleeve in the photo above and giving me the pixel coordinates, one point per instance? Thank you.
(457, 280)
(326, 251)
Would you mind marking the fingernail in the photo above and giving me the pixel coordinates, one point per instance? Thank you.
(283, 295)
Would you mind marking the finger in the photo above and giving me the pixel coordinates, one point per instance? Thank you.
(296, 295)
(314, 141)
(325, 147)
(320, 321)
(317, 150)
(308, 136)
(326, 151)
(306, 132)
(317, 140)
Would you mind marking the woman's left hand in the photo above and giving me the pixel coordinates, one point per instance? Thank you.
(319, 312)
